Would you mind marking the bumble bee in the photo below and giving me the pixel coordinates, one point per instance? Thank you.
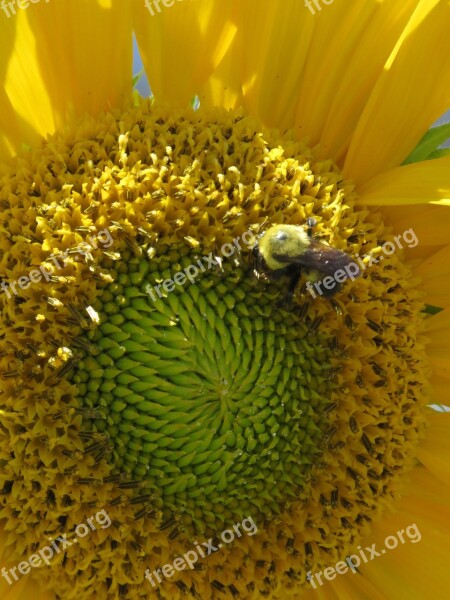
(284, 250)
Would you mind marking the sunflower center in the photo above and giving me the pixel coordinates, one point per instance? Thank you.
(186, 409)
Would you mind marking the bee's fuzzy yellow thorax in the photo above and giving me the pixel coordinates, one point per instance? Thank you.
(290, 240)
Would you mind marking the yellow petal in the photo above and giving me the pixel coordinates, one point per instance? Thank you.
(25, 588)
(384, 577)
(338, 30)
(293, 63)
(426, 560)
(181, 43)
(355, 586)
(435, 274)
(441, 386)
(320, 593)
(63, 59)
(434, 452)
(411, 93)
(271, 49)
(343, 62)
(224, 87)
(425, 504)
(25, 106)
(418, 183)
(352, 84)
(437, 330)
(85, 54)
(429, 222)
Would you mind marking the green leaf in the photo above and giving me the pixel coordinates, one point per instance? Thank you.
(195, 102)
(439, 153)
(137, 78)
(432, 310)
(429, 144)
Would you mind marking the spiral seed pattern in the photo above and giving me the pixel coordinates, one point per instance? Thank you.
(207, 391)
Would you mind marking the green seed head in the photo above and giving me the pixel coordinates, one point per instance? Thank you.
(212, 394)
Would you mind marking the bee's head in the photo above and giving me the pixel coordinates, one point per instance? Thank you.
(287, 240)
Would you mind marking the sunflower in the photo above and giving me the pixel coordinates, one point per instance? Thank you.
(182, 408)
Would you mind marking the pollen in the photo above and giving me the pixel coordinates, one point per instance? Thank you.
(183, 414)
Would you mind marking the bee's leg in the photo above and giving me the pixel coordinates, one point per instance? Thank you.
(294, 273)
(279, 274)
(311, 222)
(293, 282)
(255, 264)
(332, 292)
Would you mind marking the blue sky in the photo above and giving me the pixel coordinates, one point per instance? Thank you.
(142, 86)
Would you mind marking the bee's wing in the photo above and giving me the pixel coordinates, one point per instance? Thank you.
(320, 257)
